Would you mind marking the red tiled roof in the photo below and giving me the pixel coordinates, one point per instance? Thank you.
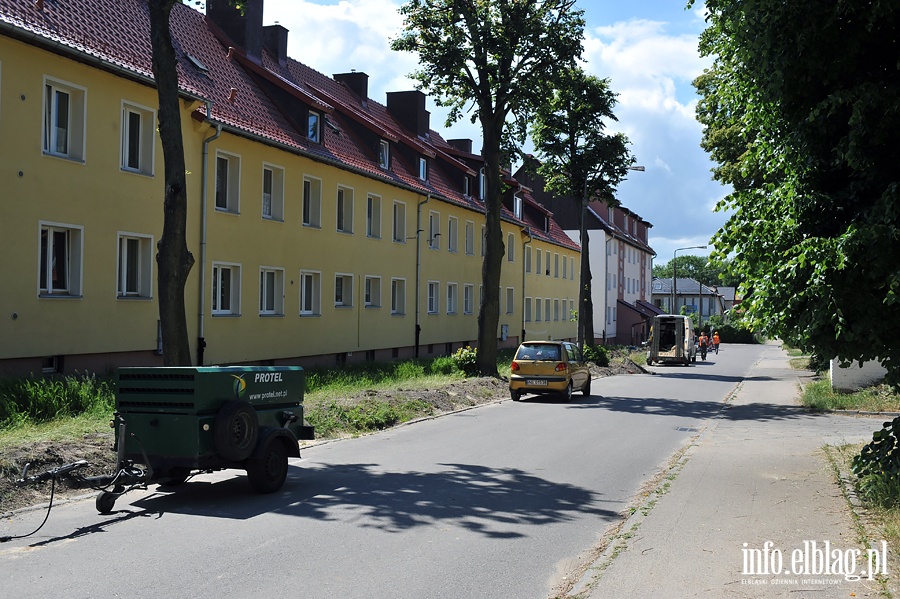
(114, 34)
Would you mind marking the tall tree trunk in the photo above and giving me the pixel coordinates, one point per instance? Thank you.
(173, 259)
(489, 311)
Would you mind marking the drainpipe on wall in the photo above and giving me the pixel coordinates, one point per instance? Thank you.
(419, 264)
(527, 231)
(204, 190)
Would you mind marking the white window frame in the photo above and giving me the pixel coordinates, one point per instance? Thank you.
(434, 298)
(510, 300)
(527, 307)
(344, 209)
(144, 147)
(510, 247)
(555, 265)
(565, 264)
(452, 234)
(343, 290)
(373, 216)
(434, 230)
(311, 210)
(48, 260)
(468, 298)
(372, 292)
(227, 187)
(310, 293)
(69, 142)
(134, 279)
(314, 127)
(423, 168)
(271, 291)
(398, 297)
(547, 304)
(399, 221)
(538, 309)
(539, 262)
(572, 267)
(547, 263)
(452, 297)
(273, 198)
(556, 309)
(384, 154)
(219, 289)
(518, 206)
(470, 238)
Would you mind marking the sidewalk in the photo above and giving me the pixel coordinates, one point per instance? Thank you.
(756, 474)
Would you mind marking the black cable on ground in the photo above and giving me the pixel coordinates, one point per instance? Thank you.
(46, 516)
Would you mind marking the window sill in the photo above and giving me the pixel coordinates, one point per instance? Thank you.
(309, 315)
(132, 171)
(311, 226)
(59, 296)
(65, 157)
(226, 315)
(271, 315)
(227, 211)
(134, 298)
(272, 219)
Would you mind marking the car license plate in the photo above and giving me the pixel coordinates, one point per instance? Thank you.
(536, 382)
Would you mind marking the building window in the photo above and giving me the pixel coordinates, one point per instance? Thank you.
(433, 297)
(483, 240)
(399, 222)
(312, 202)
(482, 184)
(452, 297)
(538, 269)
(470, 238)
(135, 265)
(547, 263)
(384, 154)
(314, 127)
(138, 141)
(468, 299)
(510, 248)
(556, 309)
(528, 258)
(423, 169)
(537, 309)
(271, 291)
(310, 293)
(434, 230)
(547, 309)
(398, 296)
(226, 291)
(343, 290)
(373, 292)
(572, 267)
(565, 264)
(527, 309)
(518, 206)
(345, 210)
(510, 300)
(453, 234)
(556, 266)
(62, 249)
(228, 180)
(273, 193)
(373, 217)
(64, 119)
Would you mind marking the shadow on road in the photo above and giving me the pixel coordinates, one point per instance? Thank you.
(495, 502)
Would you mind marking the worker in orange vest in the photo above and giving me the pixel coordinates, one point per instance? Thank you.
(716, 341)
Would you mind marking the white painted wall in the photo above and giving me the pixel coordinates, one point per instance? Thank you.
(855, 377)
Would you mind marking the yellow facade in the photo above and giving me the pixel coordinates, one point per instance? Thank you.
(283, 276)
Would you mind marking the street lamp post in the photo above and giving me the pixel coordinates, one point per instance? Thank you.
(675, 272)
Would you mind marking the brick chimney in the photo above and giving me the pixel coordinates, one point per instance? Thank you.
(409, 110)
(245, 30)
(357, 82)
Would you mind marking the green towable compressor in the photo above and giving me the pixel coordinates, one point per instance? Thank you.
(173, 422)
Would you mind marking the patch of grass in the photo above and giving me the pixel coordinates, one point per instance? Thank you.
(334, 418)
(819, 395)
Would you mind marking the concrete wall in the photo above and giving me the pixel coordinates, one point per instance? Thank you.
(855, 377)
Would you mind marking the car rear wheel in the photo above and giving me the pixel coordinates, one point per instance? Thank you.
(586, 390)
(567, 394)
(515, 395)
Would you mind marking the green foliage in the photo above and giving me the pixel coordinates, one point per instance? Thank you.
(36, 400)
(466, 359)
(699, 268)
(596, 354)
(800, 114)
(366, 416)
(731, 333)
(877, 466)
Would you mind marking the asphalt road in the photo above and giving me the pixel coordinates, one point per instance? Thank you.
(499, 501)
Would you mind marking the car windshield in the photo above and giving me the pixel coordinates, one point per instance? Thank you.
(541, 351)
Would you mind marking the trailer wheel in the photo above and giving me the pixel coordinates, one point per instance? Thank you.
(106, 501)
(267, 472)
(236, 432)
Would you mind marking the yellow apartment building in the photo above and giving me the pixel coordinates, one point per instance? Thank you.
(325, 226)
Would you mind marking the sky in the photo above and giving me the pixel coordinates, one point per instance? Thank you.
(648, 51)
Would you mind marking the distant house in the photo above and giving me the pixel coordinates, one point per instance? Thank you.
(690, 295)
(621, 261)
